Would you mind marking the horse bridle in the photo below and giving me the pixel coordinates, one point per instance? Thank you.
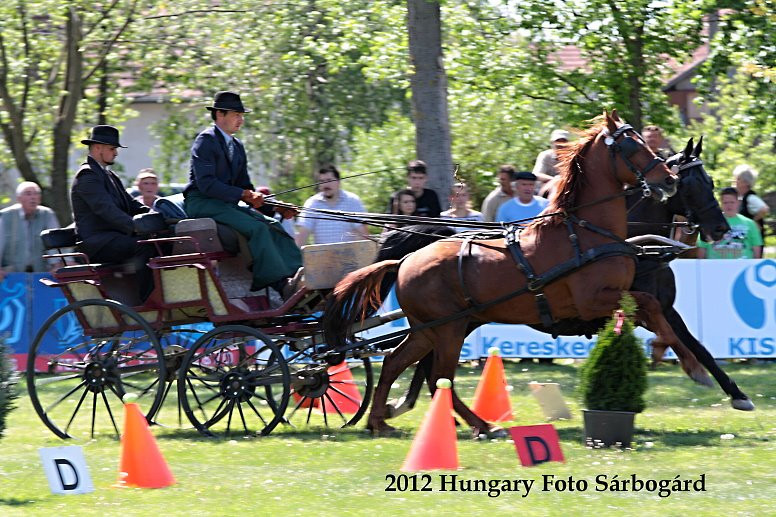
(693, 217)
(627, 148)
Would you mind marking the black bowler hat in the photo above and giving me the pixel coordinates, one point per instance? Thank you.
(227, 101)
(107, 135)
(524, 175)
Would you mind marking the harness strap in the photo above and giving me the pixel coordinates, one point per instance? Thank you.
(534, 284)
(466, 294)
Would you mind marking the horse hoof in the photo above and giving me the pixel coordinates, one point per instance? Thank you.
(742, 404)
(384, 431)
(488, 434)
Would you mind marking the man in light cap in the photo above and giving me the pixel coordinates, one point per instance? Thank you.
(148, 185)
(103, 210)
(218, 180)
(546, 164)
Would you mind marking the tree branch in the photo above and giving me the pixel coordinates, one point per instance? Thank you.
(109, 45)
(105, 14)
(26, 46)
(194, 11)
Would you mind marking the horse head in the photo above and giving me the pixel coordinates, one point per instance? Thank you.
(634, 163)
(696, 199)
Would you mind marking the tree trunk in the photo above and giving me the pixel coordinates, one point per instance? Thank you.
(429, 95)
(637, 65)
(72, 91)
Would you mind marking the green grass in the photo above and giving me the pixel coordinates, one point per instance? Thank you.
(343, 472)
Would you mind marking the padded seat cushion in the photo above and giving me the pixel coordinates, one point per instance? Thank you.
(59, 237)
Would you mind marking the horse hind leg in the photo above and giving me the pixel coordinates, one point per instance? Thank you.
(444, 366)
(651, 314)
(411, 350)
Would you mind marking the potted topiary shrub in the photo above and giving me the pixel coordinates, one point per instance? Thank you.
(8, 379)
(613, 380)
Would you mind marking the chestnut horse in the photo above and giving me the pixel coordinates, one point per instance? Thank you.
(574, 264)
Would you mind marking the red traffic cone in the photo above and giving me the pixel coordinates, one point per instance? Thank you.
(491, 398)
(342, 393)
(435, 445)
(142, 465)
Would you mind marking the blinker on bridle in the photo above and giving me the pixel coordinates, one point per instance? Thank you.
(627, 148)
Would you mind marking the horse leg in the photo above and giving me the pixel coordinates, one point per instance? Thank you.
(738, 398)
(650, 312)
(412, 349)
(444, 365)
(407, 401)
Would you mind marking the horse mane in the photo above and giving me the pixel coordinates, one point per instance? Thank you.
(564, 194)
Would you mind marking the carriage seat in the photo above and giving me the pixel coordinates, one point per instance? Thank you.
(62, 238)
(169, 213)
(212, 237)
(55, 238)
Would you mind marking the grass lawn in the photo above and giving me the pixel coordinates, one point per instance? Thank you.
(686, 431)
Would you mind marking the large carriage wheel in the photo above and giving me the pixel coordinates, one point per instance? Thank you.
(76, 382)
(331, 396)
(234, 378)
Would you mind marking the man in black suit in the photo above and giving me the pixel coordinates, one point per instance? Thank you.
(103, 210)
(218, 180)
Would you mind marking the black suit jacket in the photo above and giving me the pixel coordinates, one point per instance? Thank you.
(212, 173)
(102, 209)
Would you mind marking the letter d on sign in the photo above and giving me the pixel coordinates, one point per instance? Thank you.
(536, 444)
(65, 469)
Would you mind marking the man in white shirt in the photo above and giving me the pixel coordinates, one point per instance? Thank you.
(330, 197)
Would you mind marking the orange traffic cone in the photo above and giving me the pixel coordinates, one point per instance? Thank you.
(142, 465)
(435, 445)
(342, 393)
(491, 399)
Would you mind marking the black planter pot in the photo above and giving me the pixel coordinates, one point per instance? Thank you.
(607, 428)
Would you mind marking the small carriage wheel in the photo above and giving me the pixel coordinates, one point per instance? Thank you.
(76, 382)
(332, 396)
(234, 377)
(174, 344)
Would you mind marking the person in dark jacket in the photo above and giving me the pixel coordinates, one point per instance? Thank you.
(103, 210)
(218, 180)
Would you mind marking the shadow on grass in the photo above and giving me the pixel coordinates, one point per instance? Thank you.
(678, 438)
(317, 434)
(12, 501)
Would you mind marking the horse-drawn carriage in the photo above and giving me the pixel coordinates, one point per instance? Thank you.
(233, 358)
(564, 275)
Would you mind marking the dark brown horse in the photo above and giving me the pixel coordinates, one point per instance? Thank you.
(572, 265)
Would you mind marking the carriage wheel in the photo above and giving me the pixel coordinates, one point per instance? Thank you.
(175, 343)
(234, 378)
(76, 382)
(329, 396)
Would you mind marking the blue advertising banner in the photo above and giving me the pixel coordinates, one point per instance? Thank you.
(729, 305)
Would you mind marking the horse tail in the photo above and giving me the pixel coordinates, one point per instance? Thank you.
(353, 299)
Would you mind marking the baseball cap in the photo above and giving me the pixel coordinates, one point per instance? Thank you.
(559, 134)
(524, 175)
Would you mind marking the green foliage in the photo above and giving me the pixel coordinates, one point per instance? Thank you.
(738, 128)
(614, 376)
(626, 47)
(8, 380)
(745, 42)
